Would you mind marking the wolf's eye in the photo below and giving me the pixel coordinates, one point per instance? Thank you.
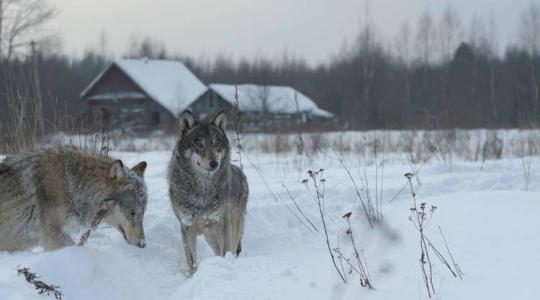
(132, 212)
(217, 145)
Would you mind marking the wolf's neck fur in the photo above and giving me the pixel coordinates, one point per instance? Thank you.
(88, 177)
(200, 192)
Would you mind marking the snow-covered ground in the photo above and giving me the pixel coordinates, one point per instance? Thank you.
(490, 221)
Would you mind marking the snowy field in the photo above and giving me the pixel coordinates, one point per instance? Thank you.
(488, 211)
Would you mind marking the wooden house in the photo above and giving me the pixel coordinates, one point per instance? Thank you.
(141, 95)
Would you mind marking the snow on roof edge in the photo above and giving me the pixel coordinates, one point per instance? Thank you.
(219, 88)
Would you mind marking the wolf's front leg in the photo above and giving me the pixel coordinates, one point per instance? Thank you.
(54, 238)
(189, 238)
(234, 225)
(239, 248)
(214, 235)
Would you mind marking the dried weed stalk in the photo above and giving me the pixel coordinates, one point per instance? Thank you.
(420, 217)
(361, 269)
(236, 122)
(42, 287)
(317, 180)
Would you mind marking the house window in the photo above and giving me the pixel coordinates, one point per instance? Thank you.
(155, 118)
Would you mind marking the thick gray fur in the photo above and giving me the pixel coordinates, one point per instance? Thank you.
(207, 198)
(44, 194)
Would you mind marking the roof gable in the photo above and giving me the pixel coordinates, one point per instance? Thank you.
(111, 84)
(170, 83)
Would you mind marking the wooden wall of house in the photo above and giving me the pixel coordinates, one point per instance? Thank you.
(136, 115)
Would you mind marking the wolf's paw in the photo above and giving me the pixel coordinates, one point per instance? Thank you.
(229, 257)
(188, 272)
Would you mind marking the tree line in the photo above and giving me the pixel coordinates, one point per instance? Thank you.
(437, 73)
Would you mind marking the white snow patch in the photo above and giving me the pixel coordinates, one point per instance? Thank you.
(490, 223)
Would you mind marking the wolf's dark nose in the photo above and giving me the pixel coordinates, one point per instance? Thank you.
(213, 164)
(141, 244)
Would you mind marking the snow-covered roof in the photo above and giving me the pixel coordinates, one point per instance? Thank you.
(168, 82)
(274, 99)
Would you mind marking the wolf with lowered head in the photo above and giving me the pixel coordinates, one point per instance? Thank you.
(48, 193)
(208, 193)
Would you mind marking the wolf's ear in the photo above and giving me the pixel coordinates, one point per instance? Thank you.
(220, 120)
(117, 170)
(140, 168)
(186, 122)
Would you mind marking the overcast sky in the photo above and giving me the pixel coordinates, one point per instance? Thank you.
(314, 29)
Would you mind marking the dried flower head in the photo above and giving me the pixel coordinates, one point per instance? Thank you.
(347, 215)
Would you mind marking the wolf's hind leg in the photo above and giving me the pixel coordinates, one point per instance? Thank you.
(189, 239)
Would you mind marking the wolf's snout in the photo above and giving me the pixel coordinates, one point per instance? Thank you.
(213, 164)
(141, 244)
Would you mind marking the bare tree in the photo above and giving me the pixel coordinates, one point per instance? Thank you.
(403, 43)
(479, 35)
(21, 21)
(366, 47)
(103, 48)
(529, 31)
(492, 40)
(425, 37)
(425, 42)
(403, 49)
(448, 32)
(146, 47)
(492, 53)
(447, 38)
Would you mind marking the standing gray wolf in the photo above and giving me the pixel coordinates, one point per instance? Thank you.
(208, 193)
(45, 193)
